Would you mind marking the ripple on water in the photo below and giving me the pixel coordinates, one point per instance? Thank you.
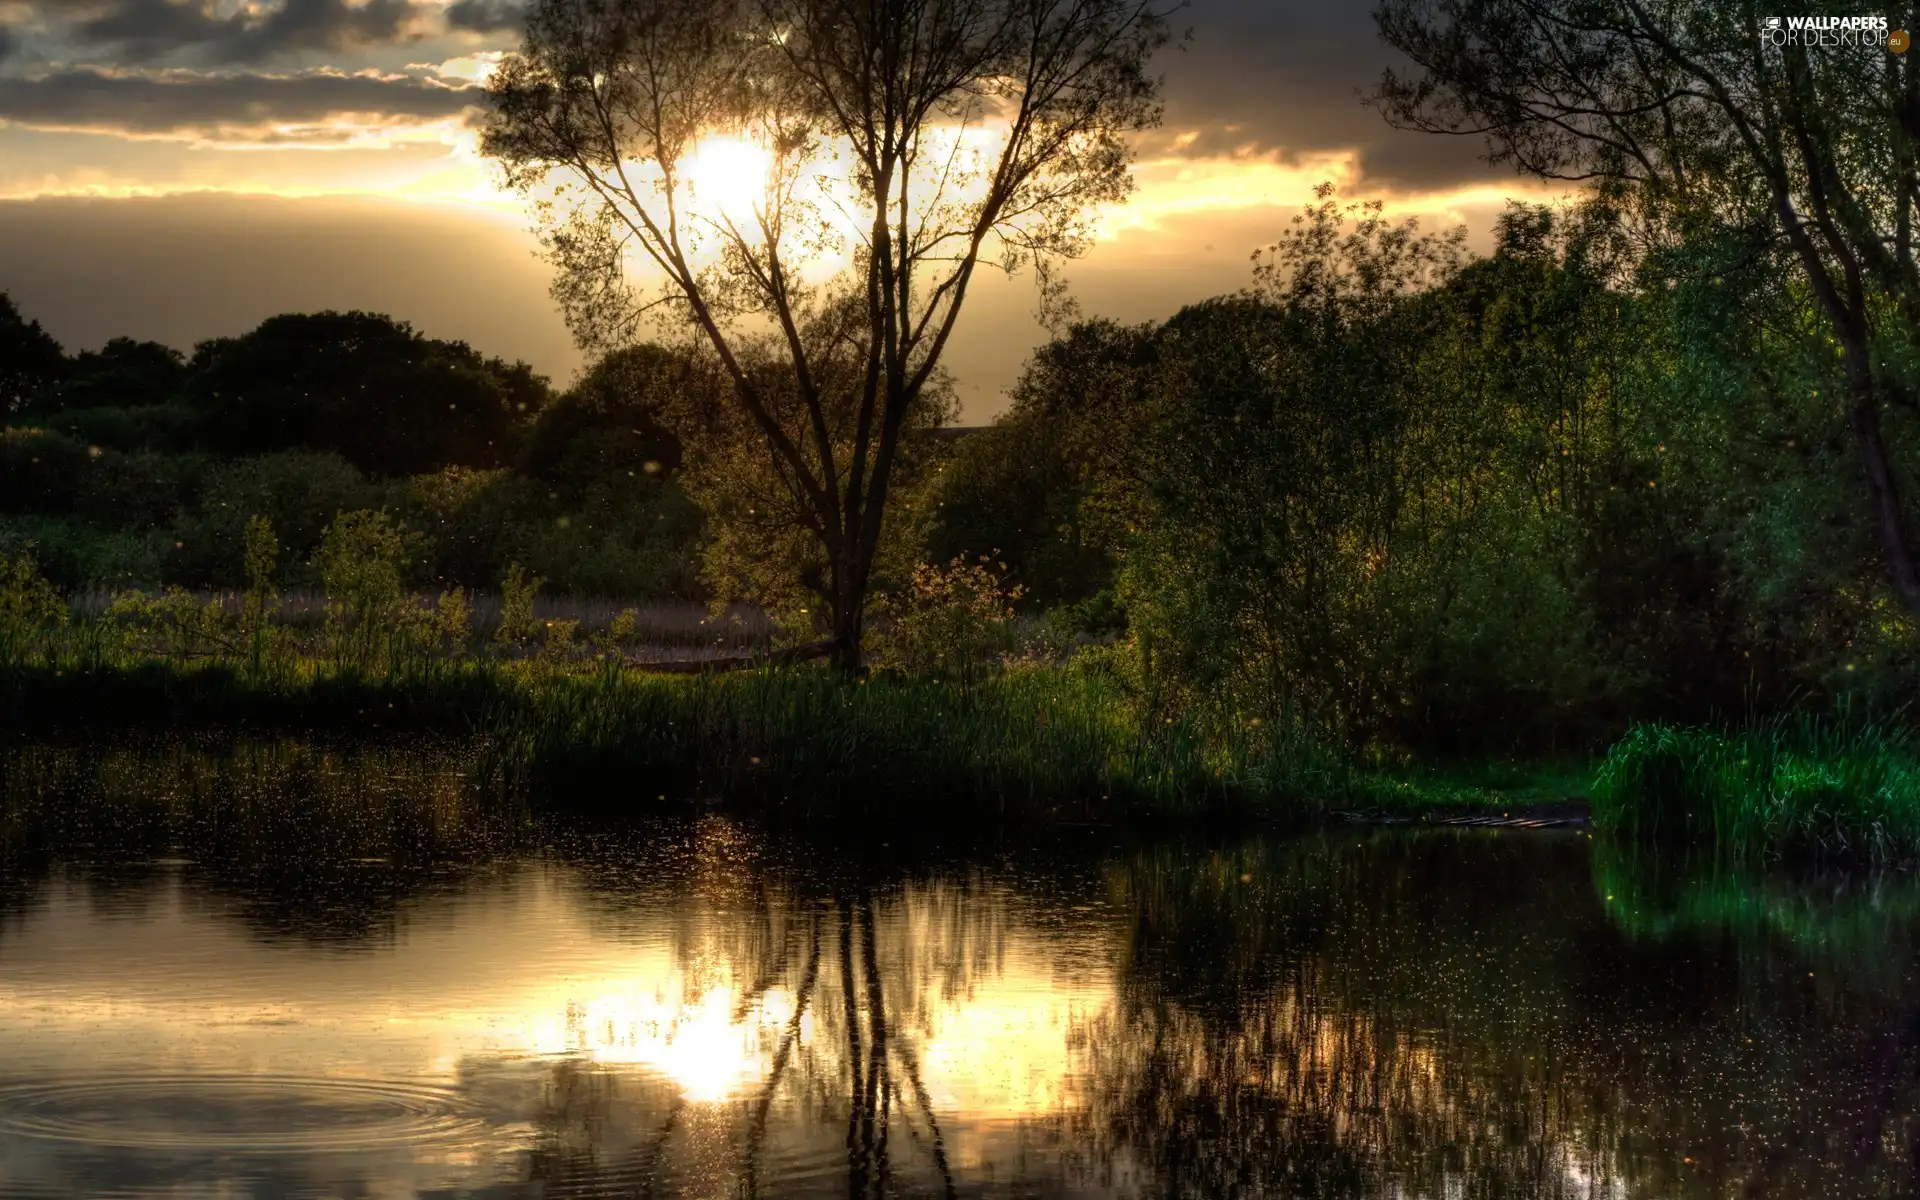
(244, 1114)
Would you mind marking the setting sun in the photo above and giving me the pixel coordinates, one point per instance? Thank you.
(727, 172)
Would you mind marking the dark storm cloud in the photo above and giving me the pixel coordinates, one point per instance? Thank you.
(145, 31)
(485, 16)
(186, 103)
(1285, 78)
(9, 42)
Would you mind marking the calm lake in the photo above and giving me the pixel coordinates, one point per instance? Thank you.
(272, 970)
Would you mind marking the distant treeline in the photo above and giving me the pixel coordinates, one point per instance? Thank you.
(135, 464)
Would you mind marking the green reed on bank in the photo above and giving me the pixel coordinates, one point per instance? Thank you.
(1792, 785)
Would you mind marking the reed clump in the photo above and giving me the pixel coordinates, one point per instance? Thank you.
(1798, 785)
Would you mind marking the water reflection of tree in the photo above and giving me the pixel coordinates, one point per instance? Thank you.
(872, 963)
(1425, 1016)
(298, 840)
(1343, 1016)
(1422, 1016)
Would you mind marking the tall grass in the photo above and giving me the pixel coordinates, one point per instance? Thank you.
(661, 628)
(1837, 786)
(1049, 741)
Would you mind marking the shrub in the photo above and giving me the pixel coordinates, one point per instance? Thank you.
(175, 623)
(559, 643)
(40, 471)
(952, 623)
(620, 629)
(29, 605)
(362, 562)
(262, 555)
(75, 555)
(298, 494)
(453, 622)
(158, 427)
(135, 491)
(517, 591)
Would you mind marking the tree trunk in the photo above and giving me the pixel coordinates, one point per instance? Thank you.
(849, 609)
(1863, 417)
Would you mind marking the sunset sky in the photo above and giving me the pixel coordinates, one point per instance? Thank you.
(180, 170)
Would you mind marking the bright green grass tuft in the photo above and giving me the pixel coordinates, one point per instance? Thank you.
(1800, 785)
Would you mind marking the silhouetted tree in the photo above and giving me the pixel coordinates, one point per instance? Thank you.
(124, 373)
(30, 359)
(611, 422)
(363, 385)
(911, 139)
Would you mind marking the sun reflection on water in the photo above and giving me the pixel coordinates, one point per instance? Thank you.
(702, 1038)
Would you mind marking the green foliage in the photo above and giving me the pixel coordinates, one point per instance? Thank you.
(517, 591)
(1353, 509)
(1791, 785)
(29, 605)
(558, 642)
(1421, 502)
(76, 555)
(299, 494)
(621, 628)
(124, 374)
(135, 492)
(1041, 487)
(610, 424)
(952, 623)
(262, 557)
(363, 561)
(630, 536)
(174, 624)
(262, 597)
(453, 623)
(171, 428)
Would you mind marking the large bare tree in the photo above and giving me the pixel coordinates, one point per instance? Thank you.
(906, 144)
(1710, 118)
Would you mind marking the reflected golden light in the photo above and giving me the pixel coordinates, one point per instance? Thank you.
(689, 1036)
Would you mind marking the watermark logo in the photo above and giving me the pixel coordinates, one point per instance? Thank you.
(1838, 33)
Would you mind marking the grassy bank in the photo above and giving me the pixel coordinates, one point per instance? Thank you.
(1055, 740)
(1792, 786)
(962, 717)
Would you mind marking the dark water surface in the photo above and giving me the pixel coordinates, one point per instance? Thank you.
(277, 971)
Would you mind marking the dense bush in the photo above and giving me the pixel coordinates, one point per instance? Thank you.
(298, 492)
(362, 386)
(40, 471)
(122, 374)
(1425, 502)
(168, 428)
(1790, 785)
